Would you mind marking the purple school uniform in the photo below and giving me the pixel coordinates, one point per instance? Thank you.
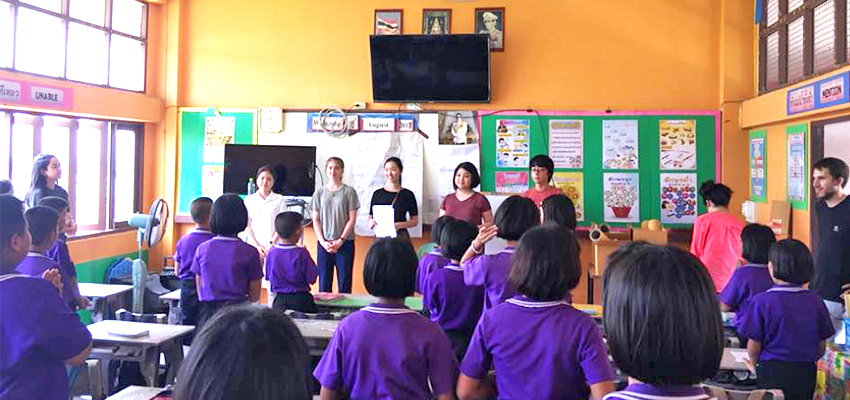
(290, 269)
(35, 264)
(453, 305)
(491, 271)
(427, 264)
(540, 350)
(790, 322)
(641, 391)
(59, 253)
(226, 266)
(387, 351)
(747, 281)
(184, 251)
(37, 335)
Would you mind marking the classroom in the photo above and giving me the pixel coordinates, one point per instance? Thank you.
(628, 108)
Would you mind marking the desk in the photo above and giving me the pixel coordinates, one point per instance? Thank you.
(352, 302)
(728, 361)
(173, 300)
(145, 349)
(317, 333)
(104, 292)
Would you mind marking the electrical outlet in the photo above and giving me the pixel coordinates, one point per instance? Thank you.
(360, 105)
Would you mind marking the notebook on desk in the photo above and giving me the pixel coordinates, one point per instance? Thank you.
(129, 331)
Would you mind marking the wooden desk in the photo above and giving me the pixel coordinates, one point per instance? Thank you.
(173, 300)
(317, 333)
(105, 293)
(357, 301)
(728, 361)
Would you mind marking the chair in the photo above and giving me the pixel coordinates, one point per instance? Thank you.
(425, 249)
(94, 381)
(721, 393)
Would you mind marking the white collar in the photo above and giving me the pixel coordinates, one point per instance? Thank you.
(453, 267)
(10, 276)
(285, 246)
(535, 304)
(388, 310)
(625, 394)
(198, 230)
(787, 289)
(34, 254)
(436, 252)
(232, 239)
(508, 250)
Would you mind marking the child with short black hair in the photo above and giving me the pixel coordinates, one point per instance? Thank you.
(560, 210)
(290, 269)
(662, 321)
(515, 216)
(411, 352)
(434, 259)
(184, 255)
(42, 223)
(6, 187)
(787, 326)
(59, 253)
(538, 344)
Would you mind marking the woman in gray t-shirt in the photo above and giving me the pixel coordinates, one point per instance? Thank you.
(334, 214)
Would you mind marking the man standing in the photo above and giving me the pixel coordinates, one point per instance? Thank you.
(832, 255)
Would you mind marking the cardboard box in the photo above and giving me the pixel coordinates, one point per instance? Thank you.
(658, 237)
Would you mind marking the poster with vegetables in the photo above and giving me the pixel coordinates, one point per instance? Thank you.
(678, 198)
(572, 184)
(678, 140)
(622, 197)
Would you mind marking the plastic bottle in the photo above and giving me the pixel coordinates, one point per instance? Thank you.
(251, 187)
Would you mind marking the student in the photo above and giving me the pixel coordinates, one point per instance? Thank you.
(662, 322)
(435, 258)
(387, 350)
(46, 172)
(787, 325)
(717, 234)
(44, 334)
(751, 278)
(42, 223)
(184, 255)
(267, 359)
(6, 187)
(515, 216)
(59, 253)
(560, 210)
(453, 305)
(539, 345)
(227, 270)
(542, 169)
(290, 269)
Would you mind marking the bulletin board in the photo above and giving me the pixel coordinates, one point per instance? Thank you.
(648, 173)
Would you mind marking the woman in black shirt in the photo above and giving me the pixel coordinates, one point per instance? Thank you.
(402, 200)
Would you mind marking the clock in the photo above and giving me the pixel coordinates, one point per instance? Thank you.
(271, 119)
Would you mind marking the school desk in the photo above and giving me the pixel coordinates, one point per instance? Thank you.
(105, 293)
(729, 363)
(173, 299)
(352, 302)
(317, 333)
(161, 338)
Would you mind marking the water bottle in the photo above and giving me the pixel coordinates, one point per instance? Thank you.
(251, 187)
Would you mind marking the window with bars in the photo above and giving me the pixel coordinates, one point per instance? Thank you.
(101, 42)
(799, 39)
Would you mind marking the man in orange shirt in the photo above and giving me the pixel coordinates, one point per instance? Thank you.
(542, 168)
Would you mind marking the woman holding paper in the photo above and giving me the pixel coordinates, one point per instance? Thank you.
(401, 201)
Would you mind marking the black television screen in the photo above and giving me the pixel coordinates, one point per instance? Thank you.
(431, 68)
(293, 168)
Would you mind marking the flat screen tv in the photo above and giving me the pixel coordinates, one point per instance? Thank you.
(293, 168)
(430, 68)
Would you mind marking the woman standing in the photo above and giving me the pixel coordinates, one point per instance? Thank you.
(334, 214)
(465, 203)
(263, 206)
(402, 200)
(717, 234)
(46, 172)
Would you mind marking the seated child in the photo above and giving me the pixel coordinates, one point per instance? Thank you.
(515, 216)
(653, 294)
(386, 350)
(787, 326)
(435, 258)
(59, 253)
(184, 255)
(44, 335)
(42, 223)
(290, 269)
(454, 306)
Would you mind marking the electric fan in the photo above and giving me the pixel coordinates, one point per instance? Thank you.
(152, 227)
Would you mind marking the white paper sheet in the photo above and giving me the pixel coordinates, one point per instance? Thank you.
(740, 355)
(384, 217)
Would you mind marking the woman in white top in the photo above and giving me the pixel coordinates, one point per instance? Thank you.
(263, 206)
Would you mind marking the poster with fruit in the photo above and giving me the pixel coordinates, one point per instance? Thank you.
(572, 184)
(622, 197)
(678, 198)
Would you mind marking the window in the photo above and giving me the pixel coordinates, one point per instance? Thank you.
(102, 42)
(100, 161)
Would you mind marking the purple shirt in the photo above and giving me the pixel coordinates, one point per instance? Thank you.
(35, 264)
(290, 269)
(226, 266)
(60, 254)
(641, 391)
(453, 305)
(184, 251)
(491, 271)
(37, 335)
(387, 351)
(790, 322)
(540, 350)
(427, 264)
(747, 281)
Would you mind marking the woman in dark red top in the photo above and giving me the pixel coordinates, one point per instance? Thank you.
(465, 203)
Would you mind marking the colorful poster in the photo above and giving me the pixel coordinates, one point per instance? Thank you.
(678, 198)
(212, 181)
(566, 143)
(797, 176)
(758, 161)
(218, 131)
(622, 197)
(511, 182)
(678, 139)
(512, 143)
(620, 144)
(572, 183)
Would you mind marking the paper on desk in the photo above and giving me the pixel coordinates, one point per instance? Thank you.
(740, 355)
(384, 217)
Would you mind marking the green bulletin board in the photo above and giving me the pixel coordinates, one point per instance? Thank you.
(649, 169)
(758, 166)
(797, 171)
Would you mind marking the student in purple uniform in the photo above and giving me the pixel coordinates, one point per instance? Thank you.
(39, 335)
(6, 187)
(386, 350)
(59, 253)
(751, 278)
(435, 258)
(184, 255)
(787, 325)
(662, 322)
(515, 216)
(227, 270)
(290, 269)
(42, 224)
(560, 210)
(453, 305)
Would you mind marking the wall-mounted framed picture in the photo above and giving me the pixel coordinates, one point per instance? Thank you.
(491, 21)
(436, 21)
(388, 22)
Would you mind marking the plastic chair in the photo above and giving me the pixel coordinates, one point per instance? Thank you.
(425, 249)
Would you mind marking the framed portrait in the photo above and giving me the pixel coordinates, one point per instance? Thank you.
(388, 22)
(491, 21)
(436, 21)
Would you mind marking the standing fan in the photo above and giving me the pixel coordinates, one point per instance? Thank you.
(152, 227)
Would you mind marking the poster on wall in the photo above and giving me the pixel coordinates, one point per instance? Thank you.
(622, 197)
(678, 140)
(620, 144)
(511, 182)
(678, 198)
(512, 143)
(797, 176)
(758, 161)
(212, 181)
(458, 128)
(572, 184)
(566, 143)
(218, 131)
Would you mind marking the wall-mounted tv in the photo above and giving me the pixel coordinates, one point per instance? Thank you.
(293, 167)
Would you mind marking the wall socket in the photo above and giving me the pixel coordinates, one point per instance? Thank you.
(360, 105)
